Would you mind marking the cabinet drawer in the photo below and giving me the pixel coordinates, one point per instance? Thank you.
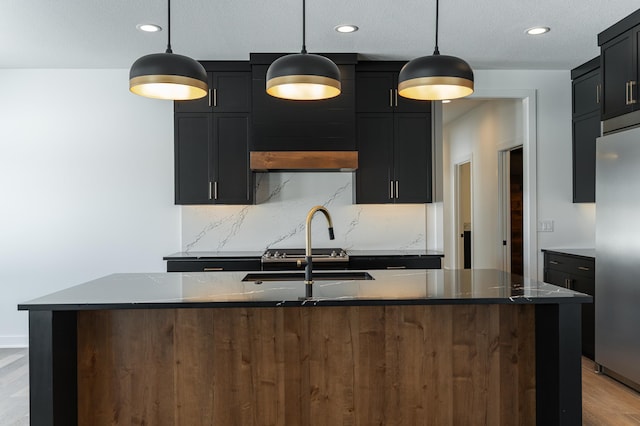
(395, 262)
(213, 265)
(570, 264)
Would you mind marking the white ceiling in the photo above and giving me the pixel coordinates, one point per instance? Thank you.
(489, 34)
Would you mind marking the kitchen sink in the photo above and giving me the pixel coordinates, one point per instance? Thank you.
(299, 276)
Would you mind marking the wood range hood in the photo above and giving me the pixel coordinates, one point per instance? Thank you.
(301, 161)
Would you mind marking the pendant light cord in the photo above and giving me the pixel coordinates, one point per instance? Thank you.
(304, 29)
(436, 51)
(168, 27)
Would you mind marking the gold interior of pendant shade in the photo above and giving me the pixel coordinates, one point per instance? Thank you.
(303, 87)
(435, 88)
(174, 87)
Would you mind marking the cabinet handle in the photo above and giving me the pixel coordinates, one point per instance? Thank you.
(215, 190)
(553, 262)
(396, 267)
(210, 90)
(210, 190)
(213, 269)
(397, 192)
(598, 93)
(391, 98)
(396, 92)
(215, 98)
(632, 100)
(584, 268)
(391, 189)
(626, 93)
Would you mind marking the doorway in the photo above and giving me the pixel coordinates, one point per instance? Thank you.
(464, 216)
(512, 209)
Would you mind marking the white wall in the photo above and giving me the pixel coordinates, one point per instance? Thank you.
(86, 184)
(574, 224)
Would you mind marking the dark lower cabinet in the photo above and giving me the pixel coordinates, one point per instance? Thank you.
(214, 265)
(575, 273)
(395, 262)
(212, 158)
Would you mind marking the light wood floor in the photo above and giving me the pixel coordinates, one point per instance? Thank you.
(604, 401)
(14, 387)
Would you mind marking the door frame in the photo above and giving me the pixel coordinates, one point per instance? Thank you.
(458, 259)
(528, 140)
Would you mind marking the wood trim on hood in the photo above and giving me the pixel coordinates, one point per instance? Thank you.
(344, 161)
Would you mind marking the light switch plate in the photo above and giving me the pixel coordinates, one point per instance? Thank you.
(545, 225)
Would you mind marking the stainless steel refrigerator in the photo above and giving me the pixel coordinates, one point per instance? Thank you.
(617, 296)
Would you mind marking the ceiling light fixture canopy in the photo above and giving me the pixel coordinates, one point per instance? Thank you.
(303, 76)
(436, 77)
(168, 75)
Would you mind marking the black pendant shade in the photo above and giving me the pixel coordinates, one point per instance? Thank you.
(436, 77)
(303, 76)
(168, 75)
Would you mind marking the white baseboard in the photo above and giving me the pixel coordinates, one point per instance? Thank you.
(14, 341)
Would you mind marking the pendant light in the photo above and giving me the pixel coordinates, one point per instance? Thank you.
(168, 75)
(435, 77)
(303, 76)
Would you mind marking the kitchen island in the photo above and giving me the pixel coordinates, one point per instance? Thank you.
(408, 347)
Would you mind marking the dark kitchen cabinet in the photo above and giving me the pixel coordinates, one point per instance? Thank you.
(586, 100)
(229, 89)
(212, 158)
(377, 91)
(395, 262)
(212, 137)
(214, 264)
(575, 273)
(620, 67)
(286, 125)
(393, 139)
(394, 158)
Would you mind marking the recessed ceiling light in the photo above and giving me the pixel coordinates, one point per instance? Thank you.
(537, 30)
(346, 28)
(149, 28)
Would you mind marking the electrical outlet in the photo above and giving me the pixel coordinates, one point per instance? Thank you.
(545, 225)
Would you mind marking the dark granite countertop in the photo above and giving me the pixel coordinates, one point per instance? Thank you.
(203, 255)
(400, 253)
(582, 252)
(194, 255)
(226, 289)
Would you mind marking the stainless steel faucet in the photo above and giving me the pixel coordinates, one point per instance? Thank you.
(308, 269)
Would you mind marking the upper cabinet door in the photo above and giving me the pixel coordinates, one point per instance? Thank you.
(378, 92)
(229, 91)
(230, 159)
(617, 74)
(586, 94)
(192, 158)
(412, 158)
(374, 177)
(375, 92)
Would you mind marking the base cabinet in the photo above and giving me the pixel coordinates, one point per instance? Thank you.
(575, 273)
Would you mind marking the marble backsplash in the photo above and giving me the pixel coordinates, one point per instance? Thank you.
(277, 220)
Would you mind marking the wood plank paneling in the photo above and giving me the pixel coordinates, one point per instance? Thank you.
(303, 160)
(367, 365)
